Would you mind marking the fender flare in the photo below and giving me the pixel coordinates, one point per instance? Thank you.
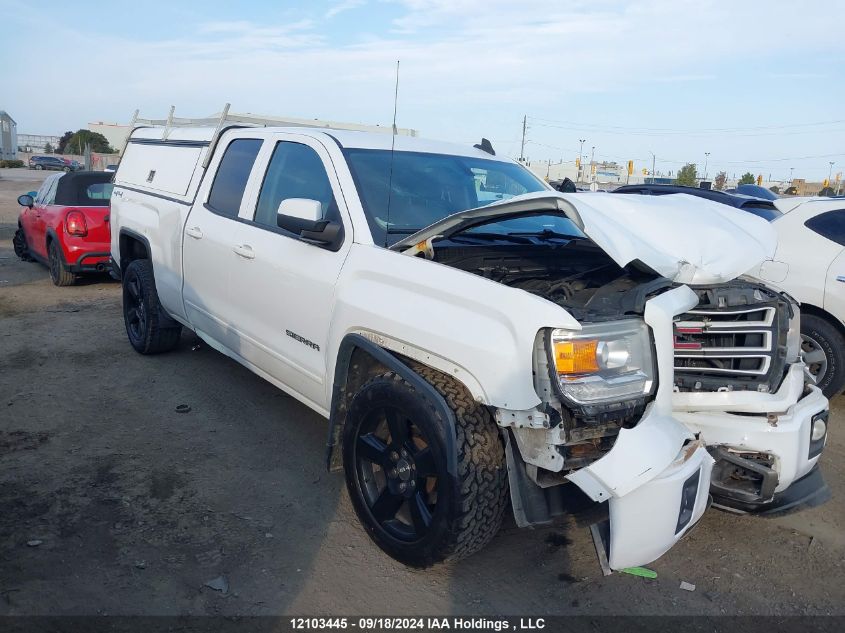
(348, 345)
(163, 316)
(135, 236)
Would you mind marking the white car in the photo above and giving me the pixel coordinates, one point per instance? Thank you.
(469, 355)
(809, 264)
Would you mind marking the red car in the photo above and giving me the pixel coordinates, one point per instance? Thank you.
(65, 225)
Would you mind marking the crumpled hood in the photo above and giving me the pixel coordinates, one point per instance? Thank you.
(681, 237)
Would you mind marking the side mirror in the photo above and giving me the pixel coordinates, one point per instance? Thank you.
(301, 209)
(26, 200)
(304, 217)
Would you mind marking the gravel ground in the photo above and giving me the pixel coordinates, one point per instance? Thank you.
(111, 502)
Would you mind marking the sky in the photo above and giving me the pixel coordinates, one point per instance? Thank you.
(758, 85)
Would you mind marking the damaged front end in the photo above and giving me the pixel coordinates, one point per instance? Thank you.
(683, 379)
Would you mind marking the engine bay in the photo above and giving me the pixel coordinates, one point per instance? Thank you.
(576, 275)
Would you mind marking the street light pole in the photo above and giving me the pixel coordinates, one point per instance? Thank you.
(706, 158)
(592, 160)
(522, 148)
(791, 169)
(830, 173)
(653, 160)
(580, 160)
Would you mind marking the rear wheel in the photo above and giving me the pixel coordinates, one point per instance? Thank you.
(66, 169)
(59, 273)
(823, 350)
(20, 246)
(39, 167)
(395, 455)
(142, 311)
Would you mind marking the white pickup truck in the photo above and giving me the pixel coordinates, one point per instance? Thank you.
(474, 337)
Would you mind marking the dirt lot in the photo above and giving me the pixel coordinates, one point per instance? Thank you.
(130, 507)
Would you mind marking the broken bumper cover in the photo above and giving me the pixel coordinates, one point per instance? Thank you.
(651, 511)
(647, 522)
(759, 458)
(656, 480)
(657, 475)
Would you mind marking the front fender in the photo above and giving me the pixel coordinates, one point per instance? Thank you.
(477, 330)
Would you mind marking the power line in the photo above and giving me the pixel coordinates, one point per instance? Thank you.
(599, 127)
(683, 162)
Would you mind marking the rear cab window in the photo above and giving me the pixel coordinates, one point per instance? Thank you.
(227, 190)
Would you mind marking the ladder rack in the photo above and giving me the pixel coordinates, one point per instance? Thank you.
(228, 119)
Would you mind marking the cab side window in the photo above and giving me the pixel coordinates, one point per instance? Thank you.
(227, 191)
(830, 225)
(295, 171)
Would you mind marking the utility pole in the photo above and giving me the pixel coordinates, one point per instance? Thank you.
(580, 160)
(522, 149)
(830, 173)
(791, 169)
(706, 158)
(592, 162)
(653, 161)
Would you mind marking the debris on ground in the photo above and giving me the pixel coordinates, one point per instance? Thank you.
(183, 408)
(687, 586)
(221, 584)
(642, 572)
(601, 548)
(141, 564)
(34, 542)
(195, 347)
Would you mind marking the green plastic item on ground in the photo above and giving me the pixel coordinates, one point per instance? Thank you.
(643, 572)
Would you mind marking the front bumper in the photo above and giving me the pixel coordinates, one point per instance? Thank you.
(807, 492)
(759, 457)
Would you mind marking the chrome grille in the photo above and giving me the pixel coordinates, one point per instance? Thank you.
(720, 347)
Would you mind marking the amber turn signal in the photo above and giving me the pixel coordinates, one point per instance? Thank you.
(576, 357)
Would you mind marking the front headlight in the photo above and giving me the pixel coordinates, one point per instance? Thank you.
(603, 362)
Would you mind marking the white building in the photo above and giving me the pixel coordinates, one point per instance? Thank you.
(37, 142)
(8, 137)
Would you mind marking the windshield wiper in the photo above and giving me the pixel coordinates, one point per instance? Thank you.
(546, 234)
(491, 237)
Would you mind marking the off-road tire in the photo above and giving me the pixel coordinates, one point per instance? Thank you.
(20, 245)
(830, 340)
(147, 334)
(471, 506)
(59, 273)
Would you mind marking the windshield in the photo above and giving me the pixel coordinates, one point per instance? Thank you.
(757, 191)
(425, 188)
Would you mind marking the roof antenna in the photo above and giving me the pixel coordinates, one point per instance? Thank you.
(392, 147)
(485, 146)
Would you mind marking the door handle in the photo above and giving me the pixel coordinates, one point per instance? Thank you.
(245, 251)
(194, 232)
(841, 278)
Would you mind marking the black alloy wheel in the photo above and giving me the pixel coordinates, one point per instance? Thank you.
(396, 472)
(424, 491)
(134, 310)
